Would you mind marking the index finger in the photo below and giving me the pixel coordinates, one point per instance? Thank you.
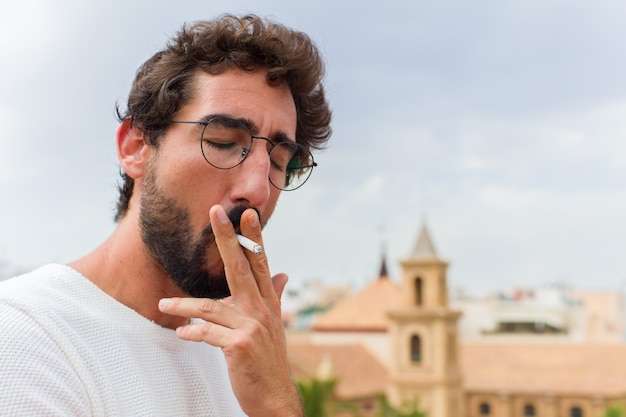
(239, 272)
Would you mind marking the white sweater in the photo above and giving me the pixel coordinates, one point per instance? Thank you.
(69, 349)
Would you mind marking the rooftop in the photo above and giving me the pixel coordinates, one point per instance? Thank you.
(357, 371)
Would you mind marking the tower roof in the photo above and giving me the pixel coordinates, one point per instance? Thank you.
(424, 247)
(383, 274)
(383, 269)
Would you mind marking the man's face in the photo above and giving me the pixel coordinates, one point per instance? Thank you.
(179, 186)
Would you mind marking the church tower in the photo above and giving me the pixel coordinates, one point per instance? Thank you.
(423, 336)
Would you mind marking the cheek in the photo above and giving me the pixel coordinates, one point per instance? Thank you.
(267, 212)
(193, 183)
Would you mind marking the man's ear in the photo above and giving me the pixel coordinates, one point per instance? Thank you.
(132, 151)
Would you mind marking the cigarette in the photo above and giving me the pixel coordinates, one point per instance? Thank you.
(251, 245)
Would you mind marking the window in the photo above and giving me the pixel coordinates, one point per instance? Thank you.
(529, 410)
(418, 291)
(484, 409)
(576, 412)
(451, 348)
(416, 348)
(368, 406)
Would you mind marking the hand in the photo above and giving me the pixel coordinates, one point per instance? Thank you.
(247, 325)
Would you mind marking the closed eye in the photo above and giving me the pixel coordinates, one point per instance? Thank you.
(220, 145)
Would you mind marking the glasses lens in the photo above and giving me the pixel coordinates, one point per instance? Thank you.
(292, 165)
(225, 142)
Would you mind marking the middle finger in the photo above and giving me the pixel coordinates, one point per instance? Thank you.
(213, 311)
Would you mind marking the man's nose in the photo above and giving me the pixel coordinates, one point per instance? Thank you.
(252, 183)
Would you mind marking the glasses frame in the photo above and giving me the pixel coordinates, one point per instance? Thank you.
(205, 123)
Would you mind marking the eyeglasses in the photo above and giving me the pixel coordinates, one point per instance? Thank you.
(226, 142)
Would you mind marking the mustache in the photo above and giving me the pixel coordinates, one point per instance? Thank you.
(234, 215)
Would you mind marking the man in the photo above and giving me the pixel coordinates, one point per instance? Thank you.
(216, 126)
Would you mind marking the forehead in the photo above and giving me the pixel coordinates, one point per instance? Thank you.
(245, 95)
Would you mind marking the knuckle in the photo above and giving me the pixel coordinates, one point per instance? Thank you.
(264, 317)
(261, 265)
(257, 328)
(209, 306)
(241, 267)
(243, 341)
(206, 330)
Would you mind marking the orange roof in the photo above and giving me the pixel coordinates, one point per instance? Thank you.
(364, 311)
(558, 369)
(548, 368)
(358, 373)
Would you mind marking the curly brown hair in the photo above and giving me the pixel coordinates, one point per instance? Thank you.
(164, 83)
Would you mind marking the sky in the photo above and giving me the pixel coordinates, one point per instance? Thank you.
(500, 125)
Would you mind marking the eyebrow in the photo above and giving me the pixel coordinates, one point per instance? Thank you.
(277, 137)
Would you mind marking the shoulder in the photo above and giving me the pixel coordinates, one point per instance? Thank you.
(35, 284)
(53, 303)
(26, 314)
(34, 308)
(37, 377)
(50, 291)
(38, 282)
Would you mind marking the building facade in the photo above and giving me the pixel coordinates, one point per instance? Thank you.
(402, 340)
(423, 337)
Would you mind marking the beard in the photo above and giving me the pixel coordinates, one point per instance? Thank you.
(167, 232)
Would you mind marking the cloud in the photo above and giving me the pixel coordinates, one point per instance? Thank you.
(499, 124)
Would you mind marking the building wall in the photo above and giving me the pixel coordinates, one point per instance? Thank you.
(545, 405)
(377, 343)
(586, 316)
(604, 314)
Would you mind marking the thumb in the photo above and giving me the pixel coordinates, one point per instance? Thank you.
(278, 282)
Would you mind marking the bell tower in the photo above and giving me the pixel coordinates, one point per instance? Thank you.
(423, 336)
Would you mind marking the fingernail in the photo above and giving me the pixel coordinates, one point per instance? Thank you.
(164, 302)
(254, 222)
(221, 215)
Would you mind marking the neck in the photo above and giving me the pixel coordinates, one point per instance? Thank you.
(123, 268)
